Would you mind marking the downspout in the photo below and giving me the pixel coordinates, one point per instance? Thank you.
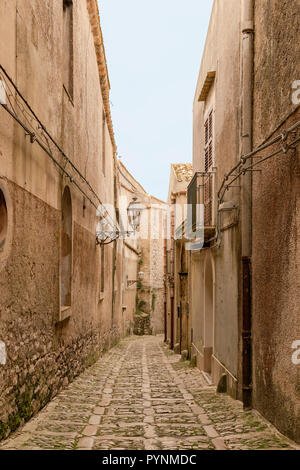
(172, 289)
(114, 267)
(247, 25)
(165, 282)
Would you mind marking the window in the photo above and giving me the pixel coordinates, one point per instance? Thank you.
(66, 249)
(102, 283)
(3, 221)
(208, 165)
(68, 46)
(103, 142)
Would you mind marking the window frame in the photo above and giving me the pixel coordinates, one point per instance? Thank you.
(102, 271)
(66, 211)
(208, 166)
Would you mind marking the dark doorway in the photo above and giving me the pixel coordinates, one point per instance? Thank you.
(172, 322)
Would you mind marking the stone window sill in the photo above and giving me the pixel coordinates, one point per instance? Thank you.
(65, 312)
(68, 95)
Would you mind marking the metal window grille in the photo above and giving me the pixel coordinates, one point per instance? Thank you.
(208, 164)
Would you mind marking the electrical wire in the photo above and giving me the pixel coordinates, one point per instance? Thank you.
(244, 159)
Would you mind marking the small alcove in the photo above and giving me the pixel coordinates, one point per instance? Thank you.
(3, 221)
(66, 251)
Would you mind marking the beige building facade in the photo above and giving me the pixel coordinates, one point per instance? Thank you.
(152, 288)
(143, 290)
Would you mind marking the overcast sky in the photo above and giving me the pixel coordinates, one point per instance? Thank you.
(154, 50)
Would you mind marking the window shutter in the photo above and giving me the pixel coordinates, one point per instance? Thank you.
(206, 159)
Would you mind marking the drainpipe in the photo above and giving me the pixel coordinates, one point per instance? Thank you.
(114, 266)
(165, 280)
(246, 196)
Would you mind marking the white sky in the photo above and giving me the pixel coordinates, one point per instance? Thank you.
(154, 50)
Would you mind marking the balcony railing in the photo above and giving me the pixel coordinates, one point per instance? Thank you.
(200, 201)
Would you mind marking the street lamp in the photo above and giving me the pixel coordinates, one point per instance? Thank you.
(227, 206)
(108, 234)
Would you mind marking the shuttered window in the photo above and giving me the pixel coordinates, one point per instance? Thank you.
(209, 142)
(103, 143)
(102, 279)
(208, 165)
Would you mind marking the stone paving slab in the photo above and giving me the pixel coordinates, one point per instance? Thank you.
(138, 396)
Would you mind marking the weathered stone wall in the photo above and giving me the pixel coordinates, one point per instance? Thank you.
(276, 221)
(157, 292)
(44, 353)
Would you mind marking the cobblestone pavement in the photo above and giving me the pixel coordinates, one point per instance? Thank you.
(141, 396)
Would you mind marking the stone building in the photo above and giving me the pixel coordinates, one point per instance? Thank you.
(152, 287)
(276, 215)
(60, 291)
(176, 258)
(241, 272)
(143, 293)
(215, 267)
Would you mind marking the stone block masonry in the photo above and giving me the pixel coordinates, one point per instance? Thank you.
(140, 396)
(42, 355)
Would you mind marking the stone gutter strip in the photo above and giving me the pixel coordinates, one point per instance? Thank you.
(132, 248)
(140, 395)
(121, 165)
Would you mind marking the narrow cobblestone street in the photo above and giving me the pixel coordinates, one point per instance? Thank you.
(142, 396)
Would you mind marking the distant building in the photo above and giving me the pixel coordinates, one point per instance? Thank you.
(152, 288)
(177, 323)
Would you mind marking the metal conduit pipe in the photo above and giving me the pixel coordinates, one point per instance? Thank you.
(247, 68)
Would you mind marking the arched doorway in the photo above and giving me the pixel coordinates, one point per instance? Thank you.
(208, 314)
(66, 250)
